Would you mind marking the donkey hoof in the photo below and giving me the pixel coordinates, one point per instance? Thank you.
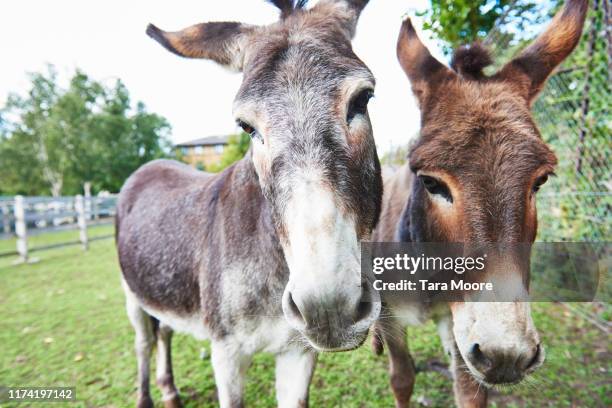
(144, 402)
(174, 402)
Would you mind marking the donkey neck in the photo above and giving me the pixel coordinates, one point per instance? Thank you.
(241, 199)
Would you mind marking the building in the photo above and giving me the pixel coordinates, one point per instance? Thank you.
(203, 153)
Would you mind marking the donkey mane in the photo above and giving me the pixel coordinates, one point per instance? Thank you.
(469, 60)
(287, 7)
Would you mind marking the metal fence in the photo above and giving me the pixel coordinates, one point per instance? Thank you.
(573, 114)
(22, 217)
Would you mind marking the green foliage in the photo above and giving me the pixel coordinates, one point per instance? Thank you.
(54, 139)
(235, 150)
(460, 22)
(395, 156)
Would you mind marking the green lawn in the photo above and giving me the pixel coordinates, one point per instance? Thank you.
(63, 323)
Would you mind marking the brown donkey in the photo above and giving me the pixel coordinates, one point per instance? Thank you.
(265, 255)
(472, 177)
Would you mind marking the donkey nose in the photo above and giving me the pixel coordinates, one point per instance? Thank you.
(500, 366)
(330, 320)
(313, 313)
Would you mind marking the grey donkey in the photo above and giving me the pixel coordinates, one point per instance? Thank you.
(265, 255)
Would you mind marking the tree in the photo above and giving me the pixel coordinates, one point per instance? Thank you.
(460, 22)
(395, 156)
(237, 146)
(23, 144)
(121, 140)
(55, 139)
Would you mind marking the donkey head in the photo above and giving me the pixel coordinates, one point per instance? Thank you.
(479, 162)
(304, 100)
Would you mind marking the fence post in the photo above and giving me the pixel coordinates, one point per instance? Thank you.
(81, 220)
(96, 208)
(21, 229)
(88, 207)
(6, 218)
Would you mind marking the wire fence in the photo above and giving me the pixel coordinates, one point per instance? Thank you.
(573, 114)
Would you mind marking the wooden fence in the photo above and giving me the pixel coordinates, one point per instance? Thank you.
(22, 217)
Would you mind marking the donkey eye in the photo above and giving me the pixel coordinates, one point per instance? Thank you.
(539, 182)
(246, 128)
(359, 104)
(436, 187)
(250, 130)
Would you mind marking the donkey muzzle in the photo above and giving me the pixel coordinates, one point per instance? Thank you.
(499, 366)
(332, 323)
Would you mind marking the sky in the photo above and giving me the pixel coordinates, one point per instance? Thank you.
(107, 40)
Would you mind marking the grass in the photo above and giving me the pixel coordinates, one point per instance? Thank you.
(63, 324)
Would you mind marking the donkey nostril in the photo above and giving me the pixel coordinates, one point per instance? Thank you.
(295, 310)
(478, 356)
(536, 357)
(363, 310)
(364, 307)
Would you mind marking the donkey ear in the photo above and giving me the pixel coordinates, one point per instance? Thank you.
(222, 42)
(347, 11)
(423, 70)
(530, 69)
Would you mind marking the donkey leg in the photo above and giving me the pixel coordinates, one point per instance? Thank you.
(294, 369)
(468, 392)
(401, 365)
(230, 366)
(144, 340)
(164, 376)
